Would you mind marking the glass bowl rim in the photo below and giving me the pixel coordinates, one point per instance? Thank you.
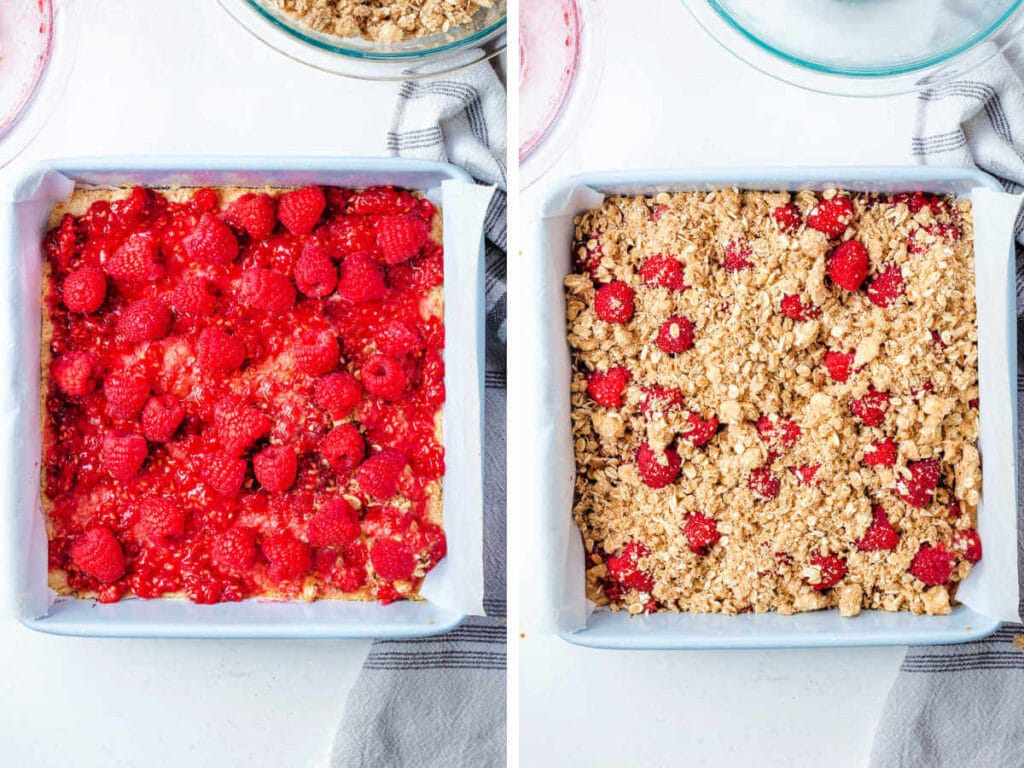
(910, 68)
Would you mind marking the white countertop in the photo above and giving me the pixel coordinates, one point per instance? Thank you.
(672, 98)
(182, 77)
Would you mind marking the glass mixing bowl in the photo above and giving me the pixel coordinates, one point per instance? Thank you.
(862, 47)
(422, 57)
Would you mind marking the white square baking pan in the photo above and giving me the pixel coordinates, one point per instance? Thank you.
(992, 586)
(453, 589)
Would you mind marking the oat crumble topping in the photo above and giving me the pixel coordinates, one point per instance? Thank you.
(383, 21)
(781, 414)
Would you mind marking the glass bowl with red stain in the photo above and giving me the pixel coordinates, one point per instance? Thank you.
(561, 49)
(37, 46)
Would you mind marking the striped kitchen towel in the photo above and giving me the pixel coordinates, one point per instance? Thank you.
(440, 701)
(963, 705)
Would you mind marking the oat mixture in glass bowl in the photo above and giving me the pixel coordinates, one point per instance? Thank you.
(378, 40)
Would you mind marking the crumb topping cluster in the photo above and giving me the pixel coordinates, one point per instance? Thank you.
(774, 401)
(384, 21)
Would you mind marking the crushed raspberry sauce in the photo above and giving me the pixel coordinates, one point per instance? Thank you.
(83, 495)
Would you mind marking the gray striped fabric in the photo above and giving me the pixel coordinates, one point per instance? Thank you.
(441, 701)
(963, 705)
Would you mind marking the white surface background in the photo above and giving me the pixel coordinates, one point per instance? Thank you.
(672, 98)
(181, 77)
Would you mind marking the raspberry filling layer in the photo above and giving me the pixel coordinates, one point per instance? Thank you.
(243, 394)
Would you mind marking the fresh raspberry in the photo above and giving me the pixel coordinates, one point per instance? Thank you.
(289, 558)
(932, 565)
(252, 214)
(920, 240)
(787, 217)
(76, 373)
(352, 234)
(211, 242)
(663, 272)
(848, 265)
(871, 408)
(238, 425)
(805, 473)
(657, 470)
(205, 200)
(392, 560)
(430, 542)
(657, 212)
(144, 320)
(795, 309)
(606, 387)
(161, 520)
(738, 256)
(343, 447)
(161, 418)
(84, 290)
(192, 297)
(275, 467)
(217, 351)
(886, 287)
(700, 432)
(831, 567)
(123, 455)
(266, 289)
(881, 453)
(831, 216)
(234, 551)
(315, 274)
(317, 353)
(779, 434)
(916, 201)
(383, 377)
(126, 393)
(625, 568)
(338, 394)
(659, 399)
(98, 553)
(378, 476)
(675, 335)
(223, 473)
(300, 209)
(400, 237)
(395, 338)
(839, 365)
(387, 522)
(763, 483)
(361, 279)
(132, 210)
(880, 535)
(967, 543)
(334, 525)
(918, 490)
(613, 302)
(135, 260)
(701, 532)
(61, 242)
(383, 200)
